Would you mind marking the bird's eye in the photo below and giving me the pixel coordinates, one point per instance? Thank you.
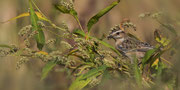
(117, 33)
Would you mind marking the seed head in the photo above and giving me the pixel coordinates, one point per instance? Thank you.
(21, 61)
(25, 30)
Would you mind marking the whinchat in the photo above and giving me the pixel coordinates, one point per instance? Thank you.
(128, 46)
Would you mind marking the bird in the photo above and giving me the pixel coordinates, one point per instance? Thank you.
(128, 46)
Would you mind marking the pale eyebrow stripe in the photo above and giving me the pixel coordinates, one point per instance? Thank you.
(119, 31)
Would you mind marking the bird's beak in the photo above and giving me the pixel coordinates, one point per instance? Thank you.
(109, 37)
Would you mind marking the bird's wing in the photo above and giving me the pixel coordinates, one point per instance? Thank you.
(132, 44)
(144, 47)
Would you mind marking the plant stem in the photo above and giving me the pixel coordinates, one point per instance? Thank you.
(79, 23)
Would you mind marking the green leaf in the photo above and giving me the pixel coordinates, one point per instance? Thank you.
(159, 72)
(5, 46)
(105, 77)
(82, 34)
(79, 84)
(79, 33)
(40, 38)
(147, 56)
(137, 73)
(96, 18)
(94, 71)
(73, 13)
(160, 67)
(109, 46)
(47, 68)
(84, 79)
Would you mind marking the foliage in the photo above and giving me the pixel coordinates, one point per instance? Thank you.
(40, 38)
(96, 18)
(89, 58)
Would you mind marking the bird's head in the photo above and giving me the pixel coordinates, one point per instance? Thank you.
(116, 33)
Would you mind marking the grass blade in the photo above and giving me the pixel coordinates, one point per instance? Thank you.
(137, 73)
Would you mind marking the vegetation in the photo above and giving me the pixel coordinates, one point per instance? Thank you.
(91, 61)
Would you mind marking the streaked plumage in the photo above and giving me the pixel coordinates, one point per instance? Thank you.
(127, 45)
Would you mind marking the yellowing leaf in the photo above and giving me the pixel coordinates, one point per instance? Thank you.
(160, 39)
(163, 41)
(155, 63)
(17, 17)
(42, 52)
(40, 16)
(27, 14)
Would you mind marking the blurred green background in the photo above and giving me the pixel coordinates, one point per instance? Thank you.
(28, 76)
